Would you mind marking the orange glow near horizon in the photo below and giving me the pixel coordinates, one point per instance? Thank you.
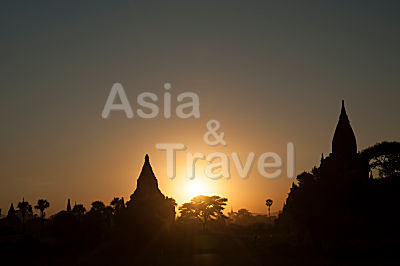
(183, 189)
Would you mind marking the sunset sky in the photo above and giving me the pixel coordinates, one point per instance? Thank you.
(270, 73)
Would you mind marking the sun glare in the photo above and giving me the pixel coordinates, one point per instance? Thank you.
(195, 189)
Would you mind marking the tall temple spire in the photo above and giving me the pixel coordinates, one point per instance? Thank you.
(147, 184)
(344, 141)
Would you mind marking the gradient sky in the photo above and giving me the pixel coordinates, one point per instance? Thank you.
(269, 72)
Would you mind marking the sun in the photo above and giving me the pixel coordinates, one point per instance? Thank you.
(195, 188)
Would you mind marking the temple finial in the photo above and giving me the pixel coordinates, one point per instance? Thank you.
(146, 158)
(69, 206)
(343, 109)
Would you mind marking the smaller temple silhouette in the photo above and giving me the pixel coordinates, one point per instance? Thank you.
(148, 205)
(147, 185)
(11, 211)
(69, 206)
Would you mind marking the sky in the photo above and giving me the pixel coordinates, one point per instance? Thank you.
(270, 72)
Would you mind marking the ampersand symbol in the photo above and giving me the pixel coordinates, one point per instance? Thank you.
(213, 126)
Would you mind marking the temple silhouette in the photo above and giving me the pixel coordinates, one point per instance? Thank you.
(147, 186)
(344, 165)
(148, 208)
(338, 187)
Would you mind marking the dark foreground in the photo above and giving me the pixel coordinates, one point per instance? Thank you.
(231, 246)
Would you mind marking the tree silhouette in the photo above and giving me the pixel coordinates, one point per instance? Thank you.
(79, 209)
(243, 213)
(42, 204)
(172, 203)
(269, 202)
(24, 207)
(117, 204)
(204, 208)
(305, 179)
(243, 216)
(98, 207)
(98, 217)
(384, 157)
(108, 214)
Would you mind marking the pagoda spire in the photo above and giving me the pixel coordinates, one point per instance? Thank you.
(344, 141)
(11, 211)
(69, 205)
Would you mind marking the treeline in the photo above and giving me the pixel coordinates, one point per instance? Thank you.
(81, 229)
(201, 211)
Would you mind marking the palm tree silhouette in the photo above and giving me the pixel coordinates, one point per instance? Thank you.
(269, 202)
(42, 204)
